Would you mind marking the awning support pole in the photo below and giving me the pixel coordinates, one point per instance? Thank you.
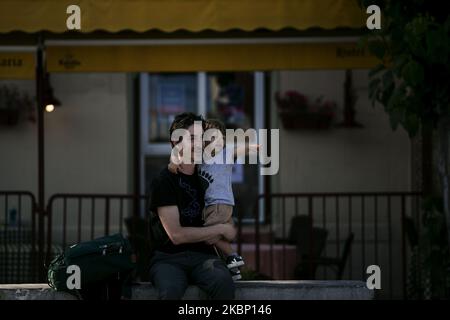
(40, 73)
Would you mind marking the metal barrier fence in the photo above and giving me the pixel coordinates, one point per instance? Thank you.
(348, 231)
(73, 218)
(374, 219)
(19, 248)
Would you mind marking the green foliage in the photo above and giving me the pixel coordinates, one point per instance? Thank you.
(412, 81)
(430, 261)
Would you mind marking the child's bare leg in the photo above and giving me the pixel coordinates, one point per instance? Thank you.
(232, 259)
(225, 247)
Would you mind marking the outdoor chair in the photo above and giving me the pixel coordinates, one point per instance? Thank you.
(308, 267)
(310, 242)
(310, 246)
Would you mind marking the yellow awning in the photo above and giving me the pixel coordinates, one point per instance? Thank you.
(171, 15)
(190, 58)
(216, 57)
(17, 65)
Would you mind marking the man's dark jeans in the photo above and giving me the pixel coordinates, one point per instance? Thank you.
(171, 273)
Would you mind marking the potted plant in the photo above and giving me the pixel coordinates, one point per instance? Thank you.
(14, 106)
(298, 112)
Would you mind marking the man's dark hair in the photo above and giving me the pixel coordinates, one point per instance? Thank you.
(185, 120)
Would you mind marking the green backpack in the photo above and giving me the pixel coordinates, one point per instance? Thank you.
(99, 260)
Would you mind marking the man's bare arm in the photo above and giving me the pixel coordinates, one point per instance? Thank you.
(170, 219)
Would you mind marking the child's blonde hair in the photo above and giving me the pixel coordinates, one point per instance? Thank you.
(215, 124)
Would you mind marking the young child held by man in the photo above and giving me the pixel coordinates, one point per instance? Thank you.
(215, 174)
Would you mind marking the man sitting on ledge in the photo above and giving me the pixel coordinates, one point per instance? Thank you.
(188, 256)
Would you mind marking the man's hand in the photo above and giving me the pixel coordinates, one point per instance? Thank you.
(170, 219)
(228, 231)
(175, 159)
(173, 167)
(214, 240)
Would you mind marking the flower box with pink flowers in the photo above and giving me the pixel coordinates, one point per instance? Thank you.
(297, 111)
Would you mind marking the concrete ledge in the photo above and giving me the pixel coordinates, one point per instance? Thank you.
(245, 290)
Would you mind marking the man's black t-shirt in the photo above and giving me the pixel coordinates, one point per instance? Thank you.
(185, 192)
